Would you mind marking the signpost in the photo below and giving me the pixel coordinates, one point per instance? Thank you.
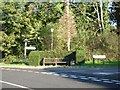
(27, 48)
(30, 48)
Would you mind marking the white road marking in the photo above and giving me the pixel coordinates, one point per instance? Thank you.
(20, 86)
(7, 69)
(56, 74)
(118, 83)
(12, 69)
(104, 79)
(73, 76)
(107, 81)
(95, 79)
(48, 73)
(84, 78)
(91, 77)
(30, 71)
(36, 72)
(18, 70)
(104, 73)
(64, 75)
(115, 81)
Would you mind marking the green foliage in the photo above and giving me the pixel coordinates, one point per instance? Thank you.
(81, 56)
(90, 31)
(34, 58)
(10, 58)
(23, 20)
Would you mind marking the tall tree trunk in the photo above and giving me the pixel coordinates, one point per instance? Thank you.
(68, 27)
(101, 12)
(98, 15)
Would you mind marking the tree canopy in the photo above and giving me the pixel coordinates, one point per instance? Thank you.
(89, 24)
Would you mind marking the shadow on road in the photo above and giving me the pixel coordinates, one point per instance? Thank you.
(68, 72)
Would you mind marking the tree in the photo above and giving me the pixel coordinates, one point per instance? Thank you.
(25, 20)
(92, 25)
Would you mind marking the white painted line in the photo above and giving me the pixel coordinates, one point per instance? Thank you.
(44, 72)
(7, 69)
(95, 79)
(84, 78)
(115, 81)
(36, 72)
(104, 79)
(20, 86)
(107, 81)
(103, 73)
(30, 71)
(18, 70)
(118, 83)
(24, 70)
(48, 73)
(91, 77)
(12, 69)
(64, 75)
(73, 76)
(56, 74)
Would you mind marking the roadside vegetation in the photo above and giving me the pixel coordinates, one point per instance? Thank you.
(84, 28)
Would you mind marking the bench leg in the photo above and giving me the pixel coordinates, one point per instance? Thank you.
(55, 63)
(43, 64)
(103, 62)
(93, 61)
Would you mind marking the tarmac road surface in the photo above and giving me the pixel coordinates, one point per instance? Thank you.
(60, 78)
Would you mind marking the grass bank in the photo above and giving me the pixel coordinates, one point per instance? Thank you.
(101, 64)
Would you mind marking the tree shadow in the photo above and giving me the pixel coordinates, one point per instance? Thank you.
(107, 86)
(18, 63)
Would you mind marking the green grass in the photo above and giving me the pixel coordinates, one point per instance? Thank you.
(98, 63)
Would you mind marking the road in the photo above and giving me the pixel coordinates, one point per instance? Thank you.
(60, 78)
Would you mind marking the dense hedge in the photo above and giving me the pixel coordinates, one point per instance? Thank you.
(80, 56)
(36, 57)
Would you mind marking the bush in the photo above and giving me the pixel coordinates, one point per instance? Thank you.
(55, 54)
(36, 57)
(10, 59)
(80, 56)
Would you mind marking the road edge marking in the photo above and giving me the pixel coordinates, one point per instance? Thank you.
(20, 86)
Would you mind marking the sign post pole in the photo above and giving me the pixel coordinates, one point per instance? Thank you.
(25, 50)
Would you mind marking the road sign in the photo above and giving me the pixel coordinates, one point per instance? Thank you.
(99, 56)
(30, 48)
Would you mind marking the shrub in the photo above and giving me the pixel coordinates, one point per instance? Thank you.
(34, 58)
(80, 56)
(10, 59)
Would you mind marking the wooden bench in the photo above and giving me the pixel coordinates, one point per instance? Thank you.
(102, 57)
(53, 61)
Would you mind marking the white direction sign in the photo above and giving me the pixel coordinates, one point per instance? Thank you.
(99, 56)
(30, 48)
